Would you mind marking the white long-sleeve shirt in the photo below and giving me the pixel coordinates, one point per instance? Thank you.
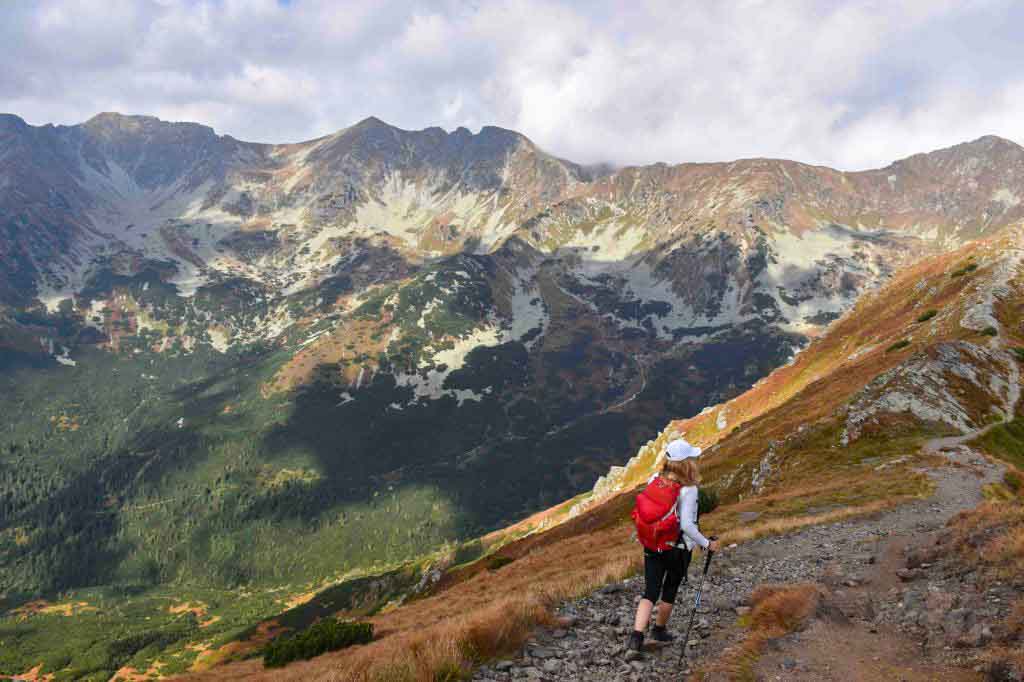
(686, 512)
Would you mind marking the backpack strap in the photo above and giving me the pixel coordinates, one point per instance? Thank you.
(675, 503)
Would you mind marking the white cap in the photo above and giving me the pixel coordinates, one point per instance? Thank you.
(679, 449)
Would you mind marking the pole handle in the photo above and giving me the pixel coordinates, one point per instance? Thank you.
(707, 559)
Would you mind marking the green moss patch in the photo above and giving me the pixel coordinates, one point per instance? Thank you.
(899, 345)
(967, 269)
(327, 635)
(1005, 442)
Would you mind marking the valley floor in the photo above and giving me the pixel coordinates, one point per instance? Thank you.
(884, 612)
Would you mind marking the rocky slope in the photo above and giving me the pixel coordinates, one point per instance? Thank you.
(289, 216)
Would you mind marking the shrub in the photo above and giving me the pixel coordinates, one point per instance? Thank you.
(776, 610)
(924, 317)
(707, 500)
(450, 672)
(899, 345)
(779, 609)
(990, 538)
(1014, 481)
(990, 331)
(1019, 352)
(327, 635)
(497, 561)
(970, 267)
(1006, 442)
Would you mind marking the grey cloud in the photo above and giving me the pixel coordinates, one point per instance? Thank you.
(848, 84)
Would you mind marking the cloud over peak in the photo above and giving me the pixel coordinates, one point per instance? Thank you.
(847, 84)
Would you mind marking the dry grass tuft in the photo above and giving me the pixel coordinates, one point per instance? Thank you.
(1015, 621)
(991, 536)
(793, 523)
(1004, 663)
(448, 650)
(443, 636)
(776, 611)
(781, 609)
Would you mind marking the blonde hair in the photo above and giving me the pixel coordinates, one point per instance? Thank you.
(685, 472)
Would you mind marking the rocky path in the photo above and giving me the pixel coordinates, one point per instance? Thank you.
(898, 612)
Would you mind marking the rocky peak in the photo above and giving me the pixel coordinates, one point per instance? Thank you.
(154, 152)
(10, 122)
(980, 155)
(117, 127)
(372, 123)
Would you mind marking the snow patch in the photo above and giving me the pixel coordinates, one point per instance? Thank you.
(219, 339)
(1006, 197)
(527, 310)
(455, 357)
(65, 357)
(608, 241)
(722, 419)
(404, 209)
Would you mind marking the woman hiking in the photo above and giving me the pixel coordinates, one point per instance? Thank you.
(666, 520)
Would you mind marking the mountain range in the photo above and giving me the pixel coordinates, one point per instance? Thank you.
(231, 366)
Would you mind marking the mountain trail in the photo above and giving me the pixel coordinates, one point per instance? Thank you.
(880, 600)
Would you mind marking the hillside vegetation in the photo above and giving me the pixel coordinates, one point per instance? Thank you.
(826, 437)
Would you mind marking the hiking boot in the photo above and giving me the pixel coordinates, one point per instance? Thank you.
(636, 641)
(660, 634)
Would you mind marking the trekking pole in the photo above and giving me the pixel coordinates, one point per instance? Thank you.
(696, 605)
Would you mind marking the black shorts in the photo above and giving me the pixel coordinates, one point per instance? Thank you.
(663, 572)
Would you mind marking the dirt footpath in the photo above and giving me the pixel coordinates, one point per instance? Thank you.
(886, 614)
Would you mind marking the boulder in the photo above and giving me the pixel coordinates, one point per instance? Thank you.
(909, 574)
(937, 605)
(957, 623)
(977, 635)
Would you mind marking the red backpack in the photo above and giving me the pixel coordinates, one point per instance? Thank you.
(655, 515)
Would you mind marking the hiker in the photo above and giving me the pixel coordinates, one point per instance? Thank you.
(666, 521)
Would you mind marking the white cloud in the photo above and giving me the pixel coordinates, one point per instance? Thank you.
(848, 84)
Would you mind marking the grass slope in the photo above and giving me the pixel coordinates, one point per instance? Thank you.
(794, 420)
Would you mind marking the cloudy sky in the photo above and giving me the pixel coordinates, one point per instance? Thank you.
(847, 84)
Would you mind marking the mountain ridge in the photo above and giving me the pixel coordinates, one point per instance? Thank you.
(986, 140)
(275, 328)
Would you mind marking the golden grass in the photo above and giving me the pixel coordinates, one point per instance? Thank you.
(780, 609)
(790, 524)
(476, 613)
(1015, 621)
(776, 610)
(991, 537)
(1004, 661)
(41, 606)
(450, 648)
(834, 486)
(489, 614)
